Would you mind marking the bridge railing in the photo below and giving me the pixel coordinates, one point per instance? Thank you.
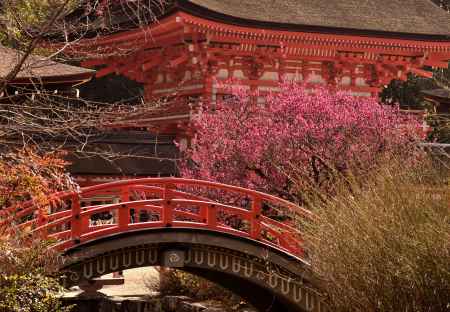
(72, 218)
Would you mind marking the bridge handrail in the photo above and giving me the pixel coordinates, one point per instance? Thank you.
(170, 180)
(168, 207)
(184, 181)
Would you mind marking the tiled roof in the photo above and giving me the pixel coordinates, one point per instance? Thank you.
(443, 94)
(36, 66)
(421, 17)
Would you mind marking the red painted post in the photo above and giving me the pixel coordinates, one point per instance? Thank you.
(204, 213)
(124, 210)
(212, 216)
(125, 194)
(255, 218)
(85, 223)
(167, 213)
(75, 222)
(124, 217)
(41, 221)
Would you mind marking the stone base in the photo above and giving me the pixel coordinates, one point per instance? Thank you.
(92, 286)
(166, 304)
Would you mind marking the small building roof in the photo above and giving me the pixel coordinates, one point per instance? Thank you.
(37, 67)
(439, 95)
(419, 17)
(143, 154)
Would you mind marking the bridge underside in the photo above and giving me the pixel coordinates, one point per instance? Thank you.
(260, 297)
(268, 278)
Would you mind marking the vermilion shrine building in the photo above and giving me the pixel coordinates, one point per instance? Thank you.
(196, 46)
(354, 45)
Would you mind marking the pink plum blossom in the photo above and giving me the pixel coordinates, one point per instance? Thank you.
(295, 132)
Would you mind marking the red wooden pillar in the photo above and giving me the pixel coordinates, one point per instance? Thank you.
(41, 221)
(124, 210)
(208, 90)
(204, 213)
(75, 223)
(167, 208)
(255, 218)
(123, 215)
(212, 216)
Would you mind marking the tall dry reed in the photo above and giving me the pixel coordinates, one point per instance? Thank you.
(382, 242)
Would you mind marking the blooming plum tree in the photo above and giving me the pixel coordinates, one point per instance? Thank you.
(294, 139)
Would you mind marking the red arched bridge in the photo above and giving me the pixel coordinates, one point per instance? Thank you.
(228, 234)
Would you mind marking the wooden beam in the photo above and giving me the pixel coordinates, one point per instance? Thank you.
(93, 62)
(436, 63)
(151, 64)
(105, 71)
(421, 72)
(179, 60)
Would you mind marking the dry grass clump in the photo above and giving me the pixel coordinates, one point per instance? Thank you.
(383, 244)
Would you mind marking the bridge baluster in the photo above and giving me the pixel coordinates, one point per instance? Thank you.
(124, 210)
(124, 217)
(204, 213)
(167, 211)
(255, 218)
(212, 216)
(75, 222)
(125, 194)
(41, 221)
(85, 223)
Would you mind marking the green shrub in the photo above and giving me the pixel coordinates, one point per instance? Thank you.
(382, 243)
(29, 281)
